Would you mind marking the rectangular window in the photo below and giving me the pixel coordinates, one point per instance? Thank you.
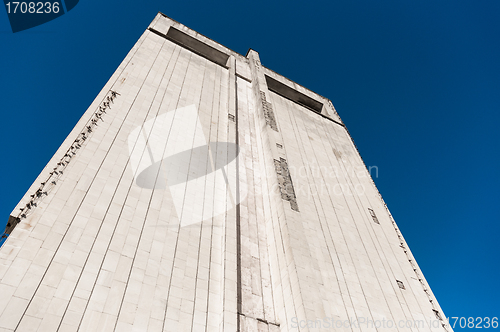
(293, 95)
(194, 45)
(374, 217)
(400, 284)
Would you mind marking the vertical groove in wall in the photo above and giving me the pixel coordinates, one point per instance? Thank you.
(238, 211)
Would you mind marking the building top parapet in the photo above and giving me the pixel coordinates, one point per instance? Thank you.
(206, 47)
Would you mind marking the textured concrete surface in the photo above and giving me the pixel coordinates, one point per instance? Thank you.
(202, 200)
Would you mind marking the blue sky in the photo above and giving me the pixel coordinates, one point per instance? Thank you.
(416, 82)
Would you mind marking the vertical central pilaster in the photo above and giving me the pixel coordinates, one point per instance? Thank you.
(287, 295)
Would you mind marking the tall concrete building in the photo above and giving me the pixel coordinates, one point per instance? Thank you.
(201, 191)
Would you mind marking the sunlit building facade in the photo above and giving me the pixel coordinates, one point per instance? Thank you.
(201, 191)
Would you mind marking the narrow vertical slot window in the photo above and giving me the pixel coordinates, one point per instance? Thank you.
(374, 217)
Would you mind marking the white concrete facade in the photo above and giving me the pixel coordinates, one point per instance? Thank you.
(201, 191)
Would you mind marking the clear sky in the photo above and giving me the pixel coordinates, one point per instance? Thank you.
(416, 82)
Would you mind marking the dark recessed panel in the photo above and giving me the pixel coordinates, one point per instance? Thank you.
(294, 95)
(194, 45)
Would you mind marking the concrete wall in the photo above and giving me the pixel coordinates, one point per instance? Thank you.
(198, 199)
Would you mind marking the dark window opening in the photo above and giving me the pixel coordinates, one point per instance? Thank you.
(194, 45)
(293, 95)
(374, 217)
